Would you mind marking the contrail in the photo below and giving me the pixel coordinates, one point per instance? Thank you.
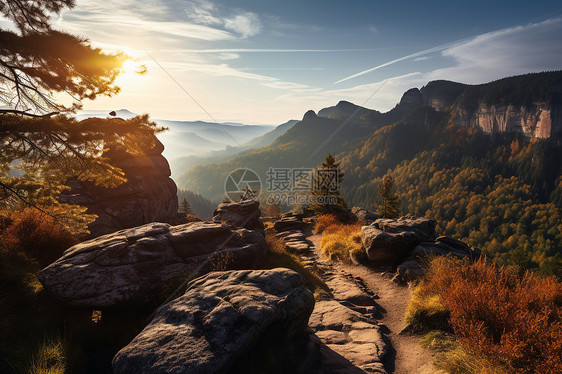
(417, 54)
(269, 50)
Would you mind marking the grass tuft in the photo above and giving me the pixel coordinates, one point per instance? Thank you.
(49, 359)
(338, 240)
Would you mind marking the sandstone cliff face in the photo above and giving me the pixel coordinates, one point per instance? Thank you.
(149, 195)
(541, 120)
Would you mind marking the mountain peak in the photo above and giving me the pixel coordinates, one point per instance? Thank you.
(309, 115)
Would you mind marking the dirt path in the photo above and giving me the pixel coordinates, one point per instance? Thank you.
(409, 356)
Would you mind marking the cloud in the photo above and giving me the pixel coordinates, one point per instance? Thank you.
(127, 24)
(243, 23)
(373, 29)
(518, 50)
(246, 24)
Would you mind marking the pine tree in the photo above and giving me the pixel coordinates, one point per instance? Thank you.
(41, 145)
(273, 210)
(388, 207)
(185, 207)
(325, 189)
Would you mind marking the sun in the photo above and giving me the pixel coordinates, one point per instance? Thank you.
(132, 69)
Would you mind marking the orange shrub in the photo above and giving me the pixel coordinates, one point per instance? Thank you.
(37, 235)
(514, 322)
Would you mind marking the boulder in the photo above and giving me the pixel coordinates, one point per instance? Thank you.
(220, 317)
(413, 268)
(363, 215)
(444, 245)
(148, 195)
(133, 266)
(240, 214)
(423, 228)
(391, 241)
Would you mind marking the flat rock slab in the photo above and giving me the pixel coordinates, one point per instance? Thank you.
(220, 316)
(289, 224)
(133, 266)
(350, 334)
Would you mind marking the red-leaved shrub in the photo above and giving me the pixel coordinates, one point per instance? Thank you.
(510, 320)
(37, 235)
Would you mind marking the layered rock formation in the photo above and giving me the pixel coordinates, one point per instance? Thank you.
(217, 320)
(133, 266)
(540, 120)
(391, 241)
(149, 195)
(240, 214)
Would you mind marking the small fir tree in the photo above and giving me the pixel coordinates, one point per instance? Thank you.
(325, 189)
(388, 207)
(185, 207)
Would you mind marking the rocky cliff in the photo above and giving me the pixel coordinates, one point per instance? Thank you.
(529, 104)
(149, 195)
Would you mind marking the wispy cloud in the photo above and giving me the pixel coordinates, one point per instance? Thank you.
(408, 57)
(517, 50)
(243, 23)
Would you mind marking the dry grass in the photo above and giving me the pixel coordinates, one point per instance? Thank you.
(502, 322)
(278, 257)
(49, 359)
(338, 239)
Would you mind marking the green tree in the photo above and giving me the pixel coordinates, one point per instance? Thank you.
(41, 145)
(325, 192)
(388, 207)
(185, 207)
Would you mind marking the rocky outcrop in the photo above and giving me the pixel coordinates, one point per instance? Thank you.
(149, 195)
(540, 120)
(289, 223)
(133, 266)
(391, 241)
(240, 214)
(413, 267)
(217, 320)
(310, 116)
(363, 216)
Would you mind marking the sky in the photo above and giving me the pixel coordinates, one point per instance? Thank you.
(265, 62)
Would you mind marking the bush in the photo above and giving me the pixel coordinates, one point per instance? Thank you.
(36, 235)
(338, 239)
(513, 322)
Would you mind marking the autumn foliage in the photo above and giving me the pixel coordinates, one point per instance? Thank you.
(514, 322)
(36, 235)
